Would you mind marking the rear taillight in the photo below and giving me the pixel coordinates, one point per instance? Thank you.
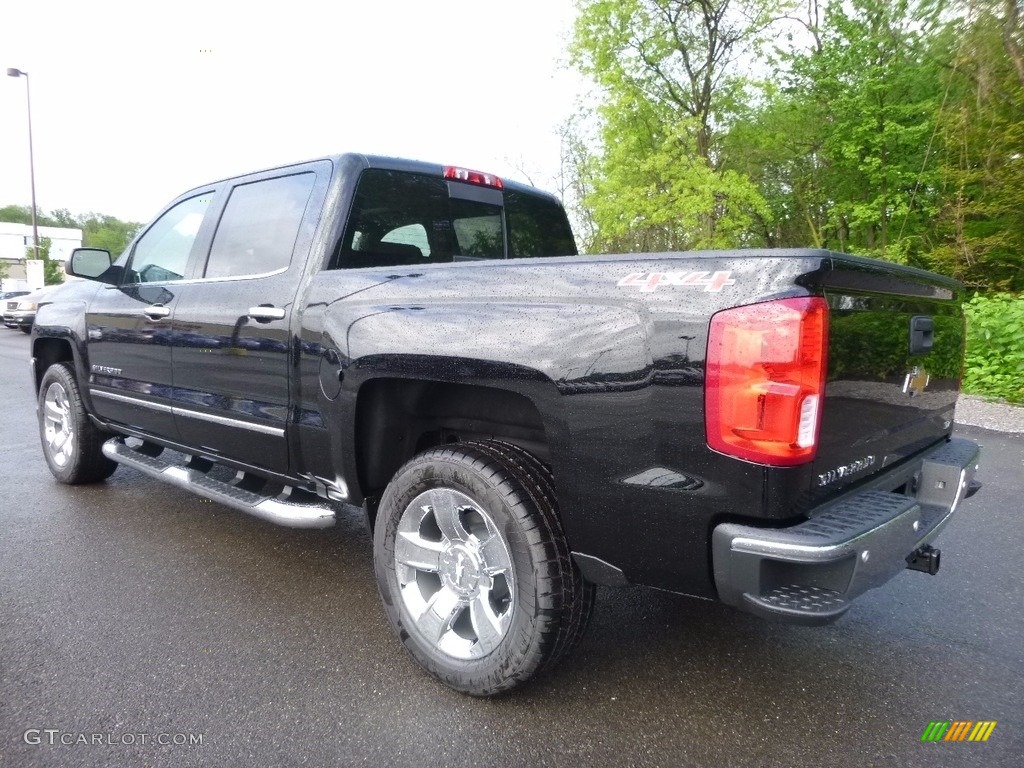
(473, 177)
(765, 380)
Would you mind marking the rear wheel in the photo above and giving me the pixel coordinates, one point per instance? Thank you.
(72, 444)
(473, 568)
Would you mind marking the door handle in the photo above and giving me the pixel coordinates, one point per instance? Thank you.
(156, 311)
(263, 314)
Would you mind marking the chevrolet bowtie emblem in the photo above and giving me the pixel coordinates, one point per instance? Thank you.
(916, 382)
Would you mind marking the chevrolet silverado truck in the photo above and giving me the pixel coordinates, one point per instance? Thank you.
(771, 429)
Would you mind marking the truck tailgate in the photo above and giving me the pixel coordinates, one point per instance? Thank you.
(895, 352)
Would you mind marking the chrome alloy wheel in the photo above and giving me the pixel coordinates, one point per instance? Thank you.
(58, 428)
(455, 574)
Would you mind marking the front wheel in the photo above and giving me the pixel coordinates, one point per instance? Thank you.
(72, 444)
(473, 568)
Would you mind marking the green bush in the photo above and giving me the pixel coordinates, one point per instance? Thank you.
(994, 365)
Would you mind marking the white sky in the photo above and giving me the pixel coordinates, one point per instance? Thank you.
(127, 112)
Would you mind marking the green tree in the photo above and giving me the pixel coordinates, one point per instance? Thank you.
(981, 220)
(22, 214)
(670, 82)
(779, 147)
(101, 231)
(62, 217)
(53, 271)
(98, 230)
(892, 129)
(842, 148)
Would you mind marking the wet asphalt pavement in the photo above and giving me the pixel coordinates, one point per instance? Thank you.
(132, 612)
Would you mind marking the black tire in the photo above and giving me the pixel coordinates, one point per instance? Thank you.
(26, 329)
(507, 561)
(72, 445)
(580, 592)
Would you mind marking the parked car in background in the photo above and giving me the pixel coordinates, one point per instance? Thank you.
(6, 296)
(19, 307)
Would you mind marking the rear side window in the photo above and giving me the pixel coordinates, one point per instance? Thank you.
(256, 234)
(405, 219)
(397, 219)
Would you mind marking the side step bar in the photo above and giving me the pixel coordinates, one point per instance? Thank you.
(282, 509)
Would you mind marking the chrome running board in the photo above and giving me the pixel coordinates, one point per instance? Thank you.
(291, 507)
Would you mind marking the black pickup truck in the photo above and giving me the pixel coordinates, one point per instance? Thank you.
(771, 429)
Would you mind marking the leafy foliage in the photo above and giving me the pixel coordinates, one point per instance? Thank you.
(981, 213)
(995, 347)
(866, 93)
(869, 345)
(890, 128)
(658, 194)
(670, 78)
(98, 230)
(16, 214)
(53, 272)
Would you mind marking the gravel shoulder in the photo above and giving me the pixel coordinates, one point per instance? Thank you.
(1000, 417)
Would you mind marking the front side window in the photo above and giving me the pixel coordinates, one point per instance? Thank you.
(257, 233)
(162, 253)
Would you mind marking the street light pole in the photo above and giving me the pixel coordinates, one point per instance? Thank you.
(12, 72)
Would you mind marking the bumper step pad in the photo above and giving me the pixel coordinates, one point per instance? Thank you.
(797, 601)
(811, 572)
(289, 507)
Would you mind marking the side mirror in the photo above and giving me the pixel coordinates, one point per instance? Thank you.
(89, 263)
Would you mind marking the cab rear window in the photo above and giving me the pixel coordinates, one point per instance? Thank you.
(406, 219)
(537, 227)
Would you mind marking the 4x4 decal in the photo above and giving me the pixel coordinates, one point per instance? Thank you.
(649, 281)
